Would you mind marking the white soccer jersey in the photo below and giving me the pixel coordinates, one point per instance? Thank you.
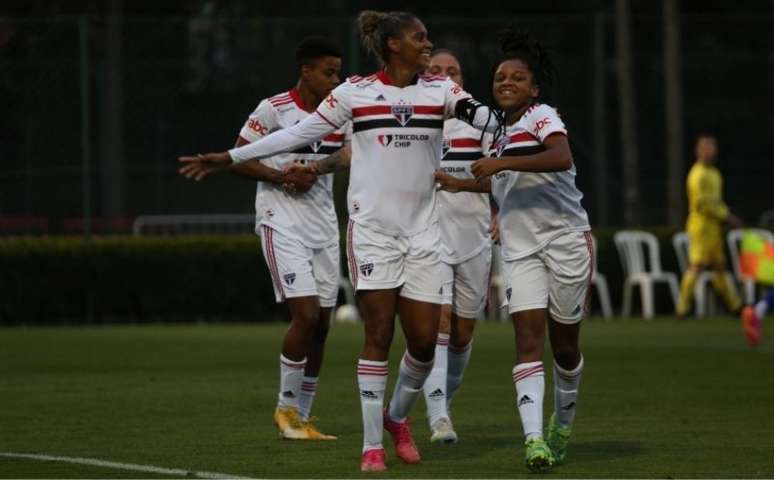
(535, 208)
(310, 217)
(465, 216)
(396, 147)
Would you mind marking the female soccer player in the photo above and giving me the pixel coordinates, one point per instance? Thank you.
(393, 233)
(546, 241)
(467, 254)
(299, 233)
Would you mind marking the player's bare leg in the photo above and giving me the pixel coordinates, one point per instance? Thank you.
(420, 327)
(435, 387)
(460, 345)
(529, 380)
(568, 367)
(314, 360)
(377, 309)
(304, 341)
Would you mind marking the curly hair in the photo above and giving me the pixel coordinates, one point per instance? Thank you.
(520, 45)
(376, 28)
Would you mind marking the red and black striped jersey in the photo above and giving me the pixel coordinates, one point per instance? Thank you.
(309, 218)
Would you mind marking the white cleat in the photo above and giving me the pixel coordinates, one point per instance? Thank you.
(443, 431)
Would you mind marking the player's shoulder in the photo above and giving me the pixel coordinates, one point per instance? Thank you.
(361, 81)
(541, 109)
(280, 100)
(430, 78)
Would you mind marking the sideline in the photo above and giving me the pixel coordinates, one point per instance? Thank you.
(122, 466)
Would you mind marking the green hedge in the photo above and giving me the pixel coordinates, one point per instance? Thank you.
(107, 279)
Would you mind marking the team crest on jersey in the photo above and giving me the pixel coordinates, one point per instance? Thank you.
(501, 144)
(366, 269)
(445, 146)
(403, 113)
(384, 140)
(290, 278)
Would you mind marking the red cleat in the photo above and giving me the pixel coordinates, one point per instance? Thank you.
(373, 461)
(405, 447)
(751, 325)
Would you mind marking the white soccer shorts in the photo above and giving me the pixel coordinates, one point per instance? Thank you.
(379, 261)
(556, 277)
(299, 271)
(470, 285)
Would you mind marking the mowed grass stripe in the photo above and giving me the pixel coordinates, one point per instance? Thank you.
(663, 398)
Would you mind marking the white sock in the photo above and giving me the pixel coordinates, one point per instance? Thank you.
(306, 396)
(458, 359)
(761, 308)
(435, 385)
(291, 374)
(372, 382)
(566, 384)
(411, 377)
(530, 385)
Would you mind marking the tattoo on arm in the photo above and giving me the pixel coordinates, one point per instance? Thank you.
(338, 160)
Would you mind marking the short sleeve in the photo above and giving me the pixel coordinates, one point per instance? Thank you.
(260, 123)
(543, 121)
(336, 109)
(453, 93)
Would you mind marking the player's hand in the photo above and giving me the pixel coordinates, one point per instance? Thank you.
(485, 167)
(446, 182)
(203, 165)
(299, 178)
(494, 229)
(733, 221)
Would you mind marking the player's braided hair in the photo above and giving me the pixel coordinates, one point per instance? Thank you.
(377, 27)
(520, 45)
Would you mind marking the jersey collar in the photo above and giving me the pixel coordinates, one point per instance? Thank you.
(385, 79)
(296, 96)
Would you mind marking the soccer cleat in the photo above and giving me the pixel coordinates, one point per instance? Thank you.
(405, 447)
(538, 458)
(373, 460)
(315, 434)
(751, 325)
(289, 424)
(443, 431)
(558, 437)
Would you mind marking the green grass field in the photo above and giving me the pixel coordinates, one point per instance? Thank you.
(665, 399)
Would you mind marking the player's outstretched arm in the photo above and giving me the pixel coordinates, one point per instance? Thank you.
(556, 157)
(201, 166)
(306, 132)
(452, 184)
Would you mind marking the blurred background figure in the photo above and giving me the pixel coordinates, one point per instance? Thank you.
(707, 216)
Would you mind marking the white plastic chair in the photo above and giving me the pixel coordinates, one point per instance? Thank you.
(599, 281)
(704, 295)
(734, 241)
(640, 257)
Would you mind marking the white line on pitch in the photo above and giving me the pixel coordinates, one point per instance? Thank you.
(122, 466)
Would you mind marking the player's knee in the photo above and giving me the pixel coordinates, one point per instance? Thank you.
(306, 317)
(461, 336)
(567, 356)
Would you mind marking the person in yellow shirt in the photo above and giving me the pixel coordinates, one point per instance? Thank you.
(707, 217)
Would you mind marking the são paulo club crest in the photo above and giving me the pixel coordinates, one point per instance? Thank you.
(403, 113)
(445, 146)
(501, 144)
(366, 268)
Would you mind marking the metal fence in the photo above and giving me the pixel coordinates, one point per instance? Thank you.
(95, 111)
